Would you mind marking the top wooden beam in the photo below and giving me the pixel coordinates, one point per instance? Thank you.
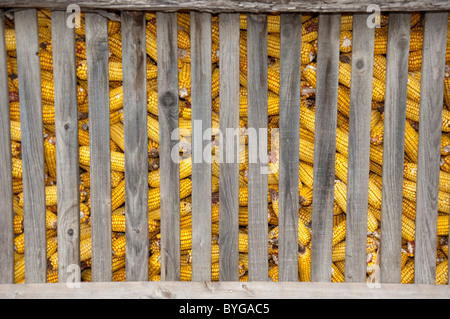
(253, 6)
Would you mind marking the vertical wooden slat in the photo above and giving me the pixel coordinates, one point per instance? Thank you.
(257, 148)
(290, 41)
(97, 55)
(431, 97)
(359, 149)
(29, 73)
(325, 145)
(168, 122)
(201, 167)
(229, 165)
(6, 192)
(67, 157)
(134, 60)
(394, 146)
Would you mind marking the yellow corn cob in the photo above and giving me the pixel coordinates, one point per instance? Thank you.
(117, 159)
(50, 155)
(416, 40)
(442, 273)
(411, 142)
(153, 128)
(304, 263)
(407, 273)
(184, 20)
(16, 167)
(306, 174)
(345, 41)
(115, 44)
(379, 67)
(339, 232)
(377, 133)
(415, 61)
(118, 195)
(410, 172)
(341, 167)
(346, 22)
(184, 79)
(305, 196)
(409, 192)
(46, 60)
(10, 38)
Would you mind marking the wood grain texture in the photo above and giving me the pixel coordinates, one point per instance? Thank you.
(134, 61)
(359, 149)
(229, 148)
(257, 147)
(168, 123)
(240, 6)
(431, 95)
(325, 145)
(97, 54)
(67, 155)
(290, 41)
(29, 73)
(223, 290)
(394, 146)
(6, 192)
(201, 69)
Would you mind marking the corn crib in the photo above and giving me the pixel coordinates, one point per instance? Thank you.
(132, 16)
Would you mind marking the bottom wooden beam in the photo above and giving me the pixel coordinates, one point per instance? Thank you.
(223, 290)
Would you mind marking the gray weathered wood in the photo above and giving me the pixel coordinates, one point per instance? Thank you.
(325, 145)
(67, 155)
(257, 147)
(237, 6)
(201, 161)
(224, 290)
(290, 41)
(29, 73)
(229, 164)
(431, 96)
(168, 122)
(134, 61)
(359, 149)
(6, 192)
(97, 55)
(394, 146)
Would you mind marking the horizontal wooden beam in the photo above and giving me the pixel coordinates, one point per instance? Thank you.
(222, 290)
(238, 6)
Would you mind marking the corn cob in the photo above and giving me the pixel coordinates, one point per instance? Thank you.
(117, 159)
(304, 263)
(442, 273)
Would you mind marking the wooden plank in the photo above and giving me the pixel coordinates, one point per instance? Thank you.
(134, 61)
(29, 73)
(6, 192)
(393, 145)
(168, 122)
(290, 41)
(67, 154)
(325, 145)
(255, 6)
(229, 164)
(224, 290)
(431, 96)
(201, 161)
(97, 56)
(359, 149)
(257, 147)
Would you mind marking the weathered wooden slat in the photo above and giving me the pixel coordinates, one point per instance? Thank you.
(229, 163)
(6, 192)
(431, 96)
(237, 6)
(97, 55)
(224, 290)
(67, 155)
(290, 41)
(29, 73)
(168, 123)
(325, 145)
(257, 147)
(134, 61)
(201, 161)
(394, 146)
(359, 149)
